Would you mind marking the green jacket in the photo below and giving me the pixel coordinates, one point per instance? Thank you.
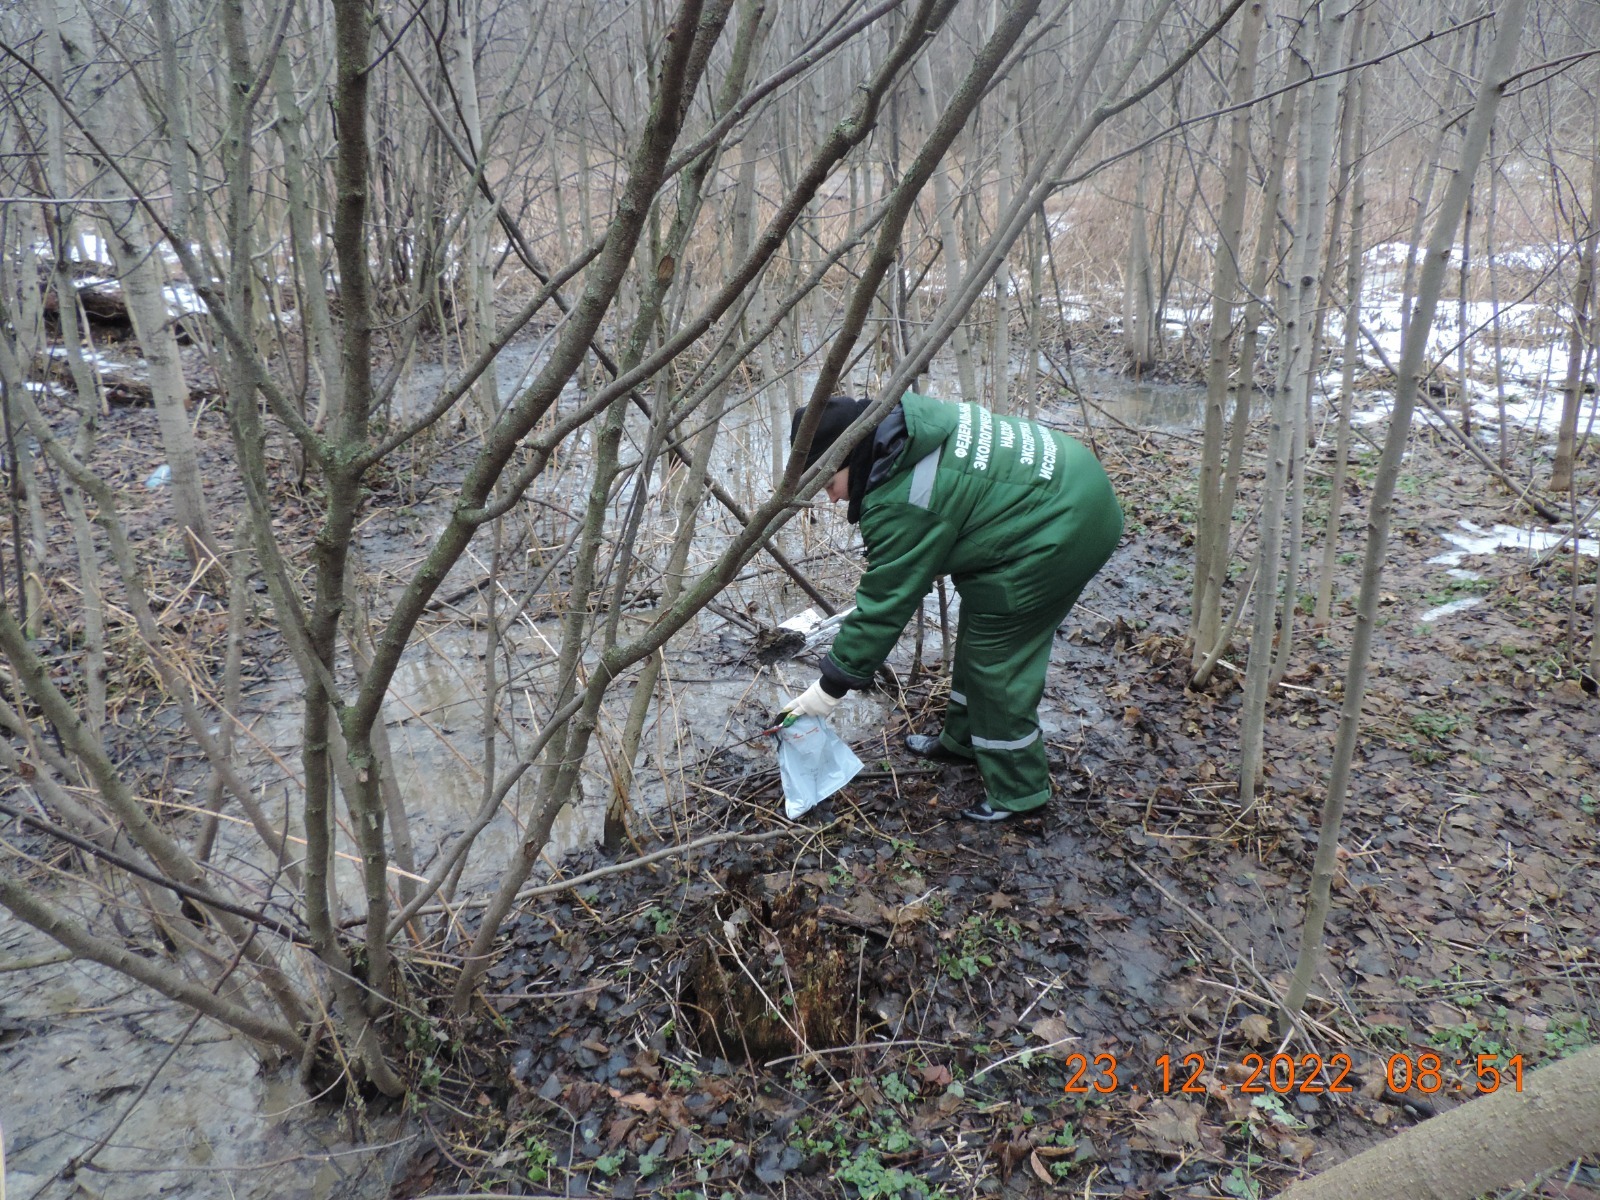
(1017, 514)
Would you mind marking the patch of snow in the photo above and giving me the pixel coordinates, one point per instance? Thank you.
(1387, 254)
(1477, 540)
(1533, 258)
(183, 300)
(101, 362)
(1446, 610)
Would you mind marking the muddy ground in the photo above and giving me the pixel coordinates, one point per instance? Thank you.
(885, 1001)
(893, 1002)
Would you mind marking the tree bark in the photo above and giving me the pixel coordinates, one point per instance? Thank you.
(1213, 522)
(1577, 344)
(1353, 149)
(950, 244)
(1138, 283)
(1480, 1147)
(136, 263)
(1412, 357)
(1306, 350)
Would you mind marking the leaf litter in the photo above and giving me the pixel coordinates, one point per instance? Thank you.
(892, 1003)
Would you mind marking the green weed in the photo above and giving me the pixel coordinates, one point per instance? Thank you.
(1569, 1034)
(1435, 725)
(973, 945)
(872, 1180)
(1242, 1183)
(660, 919)
(538, 1160)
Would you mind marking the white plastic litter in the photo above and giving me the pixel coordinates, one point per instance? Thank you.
(814, 763)
(814, 626)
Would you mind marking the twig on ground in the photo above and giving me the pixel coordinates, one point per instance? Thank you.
(565, 885)
(1237, 955)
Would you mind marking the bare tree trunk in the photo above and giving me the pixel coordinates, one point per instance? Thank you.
(950, 244)
(1489, 225)
(137, 267)
(1463, 288)
(1412, 357)
(1306, 349)
(1572, 387)
(1352, 151)
(479, 266)
(1422, 197)
(1213, 523)
(1255, 307)
(1481, 1147)
(1594, 627)
(323, 347)
(1298, 299)
(1138, 280)
(1000, 394)
(1038, 233)
(90, 402)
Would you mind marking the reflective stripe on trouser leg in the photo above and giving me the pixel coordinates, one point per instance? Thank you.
(1002, 660)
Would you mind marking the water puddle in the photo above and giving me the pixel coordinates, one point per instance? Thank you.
(213, 1124)
(1157, 406)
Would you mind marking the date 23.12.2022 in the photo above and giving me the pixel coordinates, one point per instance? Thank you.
(1307, 1074)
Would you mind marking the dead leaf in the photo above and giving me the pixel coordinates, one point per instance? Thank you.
(1256, 1029)
(937, 1076)
(902, 915)
(639, 1100)
(1051, 1030)
(1007, 1154)
(1295, 1149)
(1040, 1169)
(1172, 1127)
(618, 1129)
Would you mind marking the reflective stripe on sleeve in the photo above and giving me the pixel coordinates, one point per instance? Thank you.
(922, 476)
(995, 744)
(957, 697)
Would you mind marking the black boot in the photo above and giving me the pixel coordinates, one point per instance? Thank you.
(932, 749)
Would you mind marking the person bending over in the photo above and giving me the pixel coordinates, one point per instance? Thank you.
(1020, 517)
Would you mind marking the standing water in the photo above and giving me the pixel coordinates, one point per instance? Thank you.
(187, 1110)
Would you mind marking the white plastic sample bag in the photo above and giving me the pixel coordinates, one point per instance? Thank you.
(814, 761)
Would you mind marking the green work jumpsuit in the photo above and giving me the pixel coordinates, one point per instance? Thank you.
(1021, 517)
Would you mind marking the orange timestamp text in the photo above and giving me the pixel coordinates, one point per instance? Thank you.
(1302, 1074)
(1255, 1074)
(1427, 1073)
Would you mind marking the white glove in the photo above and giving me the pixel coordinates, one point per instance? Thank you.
(813, 702)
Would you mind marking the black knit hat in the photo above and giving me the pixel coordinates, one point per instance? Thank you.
(838, 414)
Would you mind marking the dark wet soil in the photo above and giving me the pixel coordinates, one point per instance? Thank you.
(888, 1001)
